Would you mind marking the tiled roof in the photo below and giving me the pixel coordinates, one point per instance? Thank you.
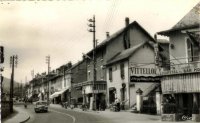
(116, 34)
(124, 54)
(190, 20)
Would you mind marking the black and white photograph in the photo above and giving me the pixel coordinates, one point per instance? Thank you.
(100, 61)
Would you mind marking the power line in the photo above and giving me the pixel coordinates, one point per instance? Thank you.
(110, 16)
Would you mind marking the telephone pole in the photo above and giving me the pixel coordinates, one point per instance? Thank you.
(1, 68)
(48, 63)
(32, 73)
(93, 30)
(13, 64)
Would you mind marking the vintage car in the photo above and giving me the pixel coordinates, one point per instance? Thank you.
(41, 106)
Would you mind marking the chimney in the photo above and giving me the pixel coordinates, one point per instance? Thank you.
(155, 37)
(126, 21)
(107, 35)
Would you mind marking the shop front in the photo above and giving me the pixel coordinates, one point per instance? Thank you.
(59, 96)
(99, 92)
(145, 92)
(83, 94)
(181, 97)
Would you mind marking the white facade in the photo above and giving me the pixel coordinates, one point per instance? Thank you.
(117, 81)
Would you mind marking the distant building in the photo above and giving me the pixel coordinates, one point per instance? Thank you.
(60, 85)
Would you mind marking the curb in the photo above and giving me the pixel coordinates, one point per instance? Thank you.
(25, 120)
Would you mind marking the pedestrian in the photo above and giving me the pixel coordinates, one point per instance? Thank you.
(117, 103)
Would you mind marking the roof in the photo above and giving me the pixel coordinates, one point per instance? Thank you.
(190, 20)
(118, 33)
(76, 64)
(126, 53)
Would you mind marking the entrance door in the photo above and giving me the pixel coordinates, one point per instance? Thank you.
(112, 95)
(187, 104)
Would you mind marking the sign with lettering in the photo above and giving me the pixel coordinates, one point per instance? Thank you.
(144, 79)
(142, 71)
(181, 70)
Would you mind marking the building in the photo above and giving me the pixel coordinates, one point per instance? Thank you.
(78, 74)
(60, 85)
(130, 74)
(181, 83)
(129, 36)
(120, 59)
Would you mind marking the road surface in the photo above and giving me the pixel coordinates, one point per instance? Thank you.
(62, 115)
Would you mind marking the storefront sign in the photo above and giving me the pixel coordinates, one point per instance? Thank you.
(181, 70)
(144, 79)
(142, 71)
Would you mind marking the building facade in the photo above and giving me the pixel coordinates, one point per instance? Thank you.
(78, 74)
(181, 84)
(129, 72)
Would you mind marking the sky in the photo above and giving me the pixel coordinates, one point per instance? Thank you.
(34, 29)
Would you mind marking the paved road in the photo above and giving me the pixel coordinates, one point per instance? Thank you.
(59, 115)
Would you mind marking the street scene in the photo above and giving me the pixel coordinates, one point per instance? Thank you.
(109, 61)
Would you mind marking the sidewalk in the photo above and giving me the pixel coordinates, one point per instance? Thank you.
(20, 117)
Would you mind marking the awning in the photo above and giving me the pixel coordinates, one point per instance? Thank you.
(183, 83)
(56, 94)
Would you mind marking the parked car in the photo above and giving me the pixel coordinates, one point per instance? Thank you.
(41, 106)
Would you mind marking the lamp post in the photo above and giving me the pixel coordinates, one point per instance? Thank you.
(93, 30)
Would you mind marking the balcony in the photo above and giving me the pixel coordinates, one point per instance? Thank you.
(182, 65)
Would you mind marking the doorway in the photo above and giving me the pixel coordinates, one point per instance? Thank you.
(112, 92)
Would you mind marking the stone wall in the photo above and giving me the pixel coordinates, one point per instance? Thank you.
(5, 109)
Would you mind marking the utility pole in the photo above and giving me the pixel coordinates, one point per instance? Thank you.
(32, 73)
(21, 89)
(93, 30)
(13, 64)
(48, 63)
(1, 68)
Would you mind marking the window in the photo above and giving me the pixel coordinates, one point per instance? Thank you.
(122, 70)
(64, 82)
(88, 75)
(192, 51)
(102, 72)
(110, 73)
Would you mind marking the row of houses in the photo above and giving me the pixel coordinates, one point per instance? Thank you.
(151, 75)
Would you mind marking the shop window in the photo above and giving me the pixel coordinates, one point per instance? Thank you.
(192, 51)
(122, 70)
(110, 74)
